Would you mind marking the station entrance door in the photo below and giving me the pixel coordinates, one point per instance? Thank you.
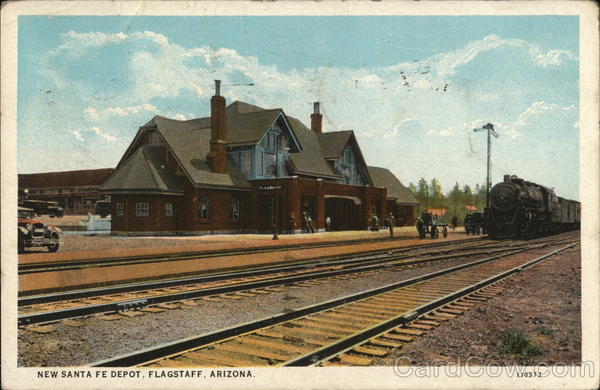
(344, 212)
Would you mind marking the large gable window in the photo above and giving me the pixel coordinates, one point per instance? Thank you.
(348, 166)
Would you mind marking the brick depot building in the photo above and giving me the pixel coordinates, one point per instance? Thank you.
(222, 174)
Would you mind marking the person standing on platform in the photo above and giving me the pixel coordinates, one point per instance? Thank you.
(390, 221)
(292, 223)
(305, 222)
(420, 227)
(328, 224)
(309, 224)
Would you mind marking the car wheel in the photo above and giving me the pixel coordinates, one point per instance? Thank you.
(21, 244)
(54, 247)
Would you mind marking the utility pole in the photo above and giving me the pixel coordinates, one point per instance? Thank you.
(278, 139)
(490, 131)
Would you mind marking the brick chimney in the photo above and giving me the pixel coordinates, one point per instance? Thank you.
(217, 157)
(316, 119)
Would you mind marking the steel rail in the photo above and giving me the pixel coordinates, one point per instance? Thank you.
(320, 262)
(157, 258)
(167, 349)
(317, 357)
(48, 316)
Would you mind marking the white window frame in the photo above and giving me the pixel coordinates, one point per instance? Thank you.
(142, 209)
(168, 209)
(120, 209)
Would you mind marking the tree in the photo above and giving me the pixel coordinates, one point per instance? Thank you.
(455, 199)
(423, 194)
(481, 197)
(436, 193)
(413, 188)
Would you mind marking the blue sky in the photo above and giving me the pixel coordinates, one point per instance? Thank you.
(411, 87)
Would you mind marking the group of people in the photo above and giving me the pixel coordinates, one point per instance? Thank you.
(307, 224)
(389, 222)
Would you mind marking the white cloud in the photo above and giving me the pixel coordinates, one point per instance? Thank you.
(390, 103)
(76, 134)
(100, 133)
(447, 63)
(92, 114)
(179, 117)
(541, 115)
(118, 111)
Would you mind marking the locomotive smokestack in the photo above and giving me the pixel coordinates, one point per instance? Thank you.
(506, 178)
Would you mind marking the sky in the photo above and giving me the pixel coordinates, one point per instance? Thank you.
(412, 88)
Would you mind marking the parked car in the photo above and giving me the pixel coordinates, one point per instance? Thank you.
(33, 233)
(44, 207)
(103, 208)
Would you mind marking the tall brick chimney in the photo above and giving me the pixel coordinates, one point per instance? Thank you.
(217, 157)
(316, 119)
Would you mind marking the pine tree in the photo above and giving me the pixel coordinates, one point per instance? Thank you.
(455, 200)
(423, 195)
(436, 193)
(413, 188)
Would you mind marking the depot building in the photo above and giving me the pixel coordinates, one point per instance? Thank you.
(246, 169)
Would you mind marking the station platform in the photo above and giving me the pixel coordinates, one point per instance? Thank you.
(97, 276)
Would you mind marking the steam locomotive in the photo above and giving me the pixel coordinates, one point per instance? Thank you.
(521, 209)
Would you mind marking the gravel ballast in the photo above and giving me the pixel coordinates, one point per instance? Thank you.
(99, 339)
(538, 315)
(546, 310)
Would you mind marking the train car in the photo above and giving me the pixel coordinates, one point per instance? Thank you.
(522, 209)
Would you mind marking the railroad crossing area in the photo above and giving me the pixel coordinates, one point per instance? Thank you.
(309, 300)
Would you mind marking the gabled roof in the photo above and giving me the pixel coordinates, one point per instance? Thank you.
(144, 171)
(334, 142)
(310, 161)
(383, 177)
(189, 142)
(247, 128)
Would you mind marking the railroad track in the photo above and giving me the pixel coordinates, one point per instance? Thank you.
(53, 307)
(352, 330)
(40, 267)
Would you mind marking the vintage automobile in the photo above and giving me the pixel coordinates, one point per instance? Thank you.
(33, 233)
(102, 208)
(430, 224)
(44, 207)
